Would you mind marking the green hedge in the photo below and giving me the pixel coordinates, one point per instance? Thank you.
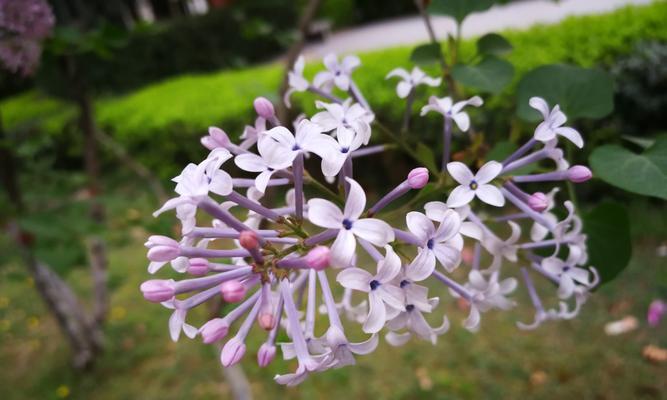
(169, 116)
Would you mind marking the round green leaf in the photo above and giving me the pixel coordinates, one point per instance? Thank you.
(607, 228)
(580, 92)
(426, 54)
(491, 75)
(493, 43)
(458, 9)
(644, 173)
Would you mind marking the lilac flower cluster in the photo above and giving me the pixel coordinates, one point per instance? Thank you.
(24, 24)
(278, 262)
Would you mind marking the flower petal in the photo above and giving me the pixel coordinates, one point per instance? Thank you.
(540, 105)
(324, 213)
(488, 172)
(355, 202)
(355, 278)
(343, 248)
(461, 195)
(389, 267)
(460, 172)
(374, 230)
(572, 135)
(490, 195)
(420, 226)
(376, 314)
(448, 256)
(422, 266)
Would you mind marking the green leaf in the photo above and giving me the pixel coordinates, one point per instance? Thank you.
(609, 248)
(426, 157)
(644, 173)
(426, 54)
(491, 75)
(580, 92)
(458, 9)
(493, 43)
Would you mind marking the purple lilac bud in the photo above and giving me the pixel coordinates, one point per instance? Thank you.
(418, 178)
(579, 174)
(266, 354)
(216, 138)
(158, 290)
(162, 248)
(318, 258)
(538, 201)
(264, 108)
(198, 266)
(233, 291)
(214, 330)
(249, 240)
(232, 352)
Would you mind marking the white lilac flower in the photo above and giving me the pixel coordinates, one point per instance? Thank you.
(477, 185)
(272, 269)
(195, 181)
(444, 243)
(568, 275)
(435, 211)
(382, 293)
(552, 125)
(295, 80)
(410, 80)
(487, 294)
(502, 249)
(307, 139)
(337, 73)
(271, 158)
(252, 134)
(347, 116)
(411, 319)
(450, 110)
(326, 214)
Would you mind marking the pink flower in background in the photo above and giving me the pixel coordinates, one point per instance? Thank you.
(656, 311)
(24, 24)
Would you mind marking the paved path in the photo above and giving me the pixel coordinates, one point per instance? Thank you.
(410, 30)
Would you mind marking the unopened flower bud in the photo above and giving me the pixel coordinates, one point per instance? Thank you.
(468, 255)
(418, 178)
(266, 354)
(197, 266)
(266, 320)
(264, 107)
(162, 248)
(538, 201)
(248, 240)
(579, 174)
(216, 138)
(214, 330)
(233, 291)
(318, 258)
(232, 352)
(158, 290)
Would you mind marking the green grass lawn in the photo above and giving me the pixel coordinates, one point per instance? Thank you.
(568, 359)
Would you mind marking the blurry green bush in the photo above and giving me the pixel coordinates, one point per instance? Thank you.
(162, 121)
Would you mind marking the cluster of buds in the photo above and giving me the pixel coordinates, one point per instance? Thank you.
(278, 263)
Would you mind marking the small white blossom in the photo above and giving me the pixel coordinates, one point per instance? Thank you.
(410, 80)
(450, 110)
(477, 185)
(553, 124)
(337, 73)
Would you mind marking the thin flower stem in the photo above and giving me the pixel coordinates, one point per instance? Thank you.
(408, 112)
(447, 143)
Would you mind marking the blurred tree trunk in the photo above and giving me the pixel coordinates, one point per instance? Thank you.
(306, 19)
(82, 333)
(96, 246)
